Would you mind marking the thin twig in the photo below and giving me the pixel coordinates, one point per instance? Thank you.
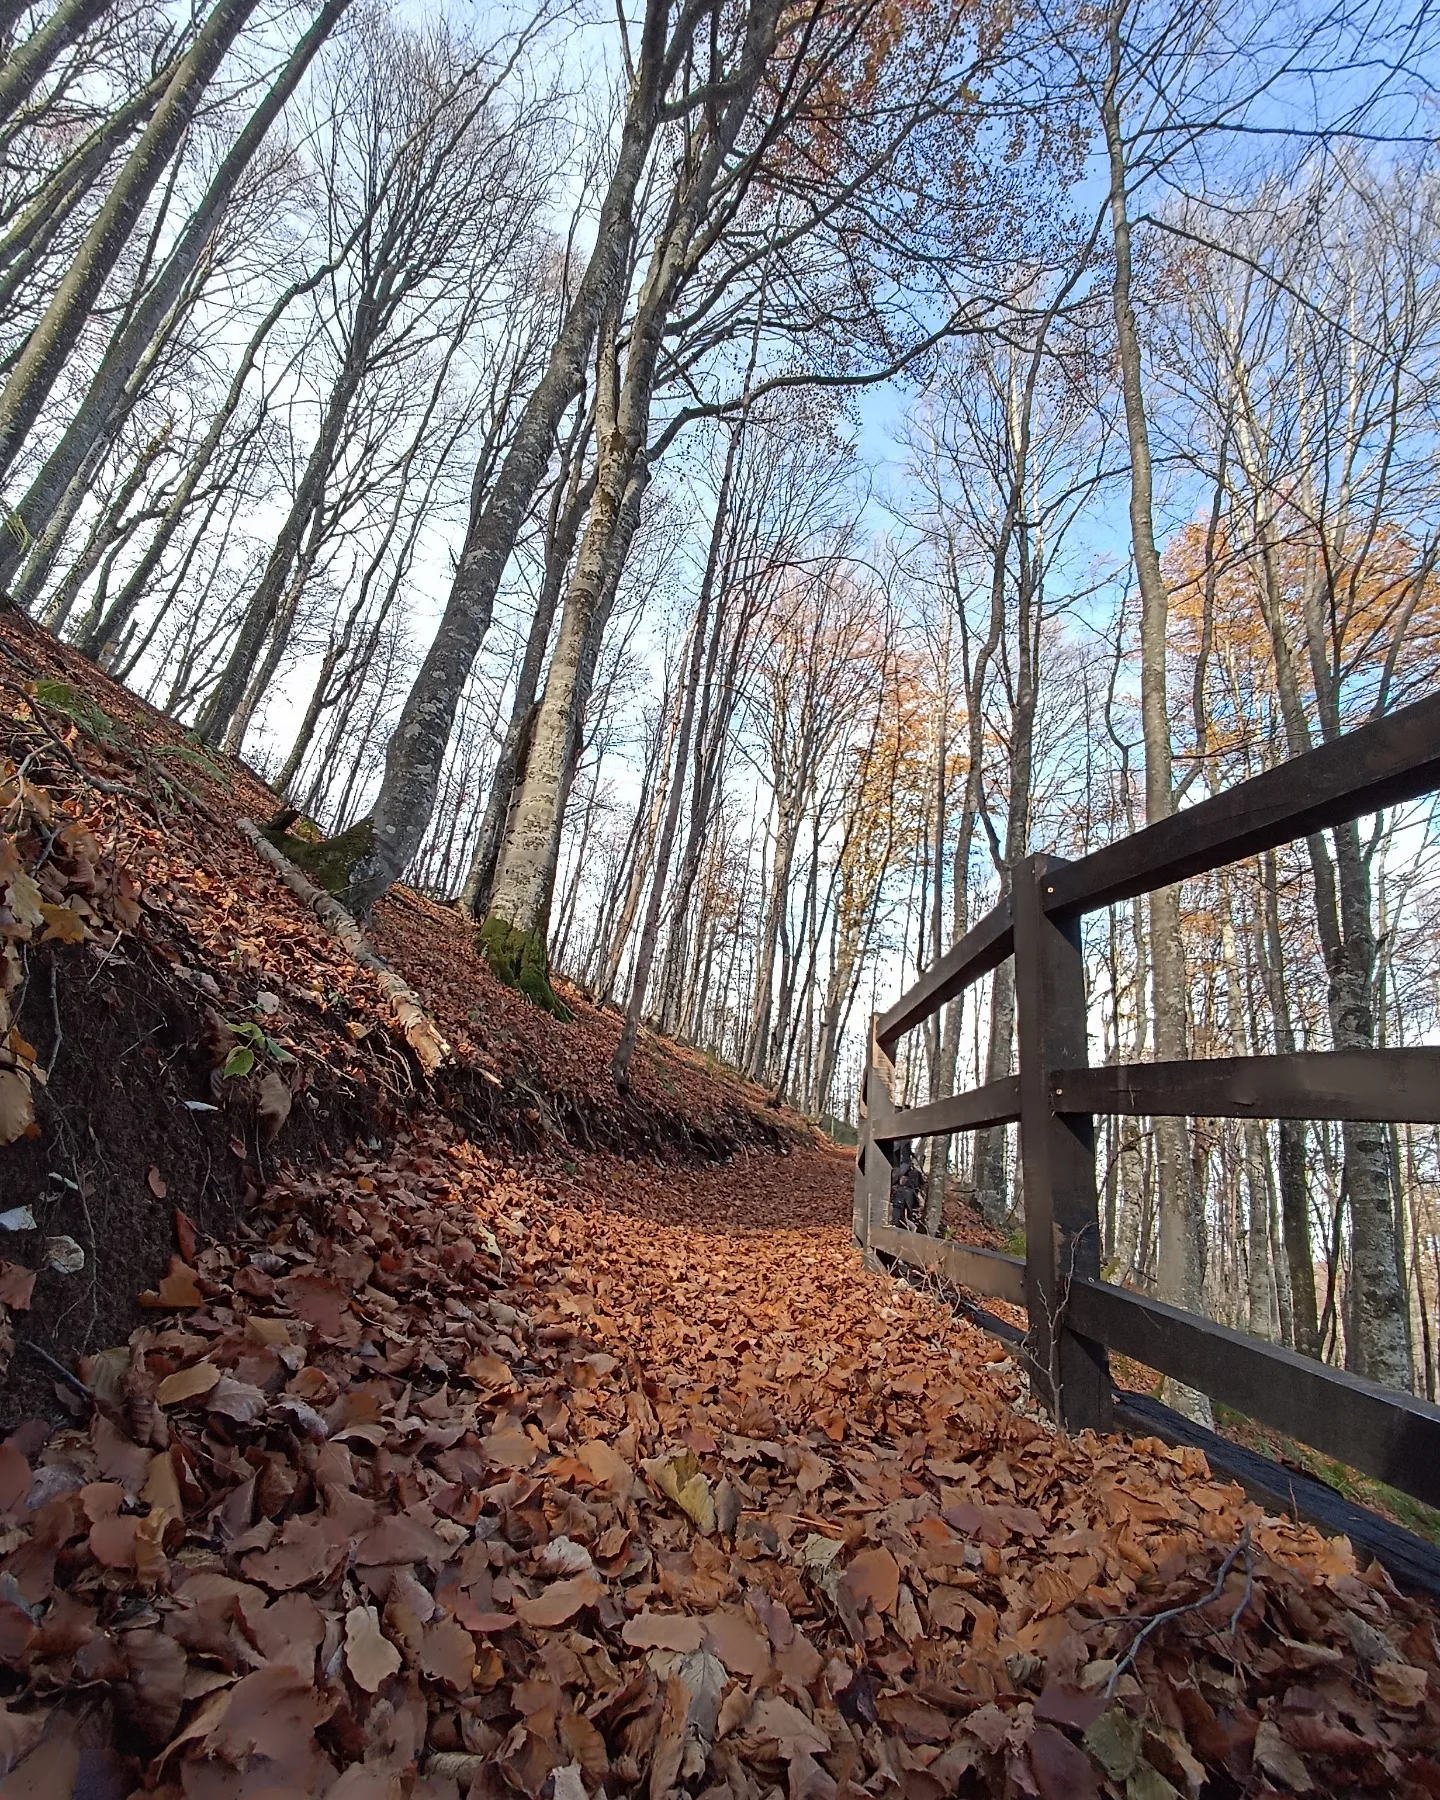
(55, 1015)
(118, 789)
(1242, 1543)
(59, 1369)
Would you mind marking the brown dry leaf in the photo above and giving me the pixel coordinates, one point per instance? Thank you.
(47, 1773)
(608, 1467)
(681, 1479)
(489, 1372)
(290, 1630)
(151, 1564)
(272, 1105)
(16, 1286)
(1398, 1684)
(63, 925)
(369, 1656)
(663, 1631)
(776, 1721)
(179, 1289)
(15, 1478)
(559, 1602)
(156, 1182)
(318, 1301)
(272, 1713)
(306, 1549)
(1061, 1770)
(187, 1384)
(162, 1488)
(447, 1653)
(17, 1105)
(509, 1448)
(742, 1649)
(1277, 1759)
(112, 1540)
(238, 1400)
(873, 1578)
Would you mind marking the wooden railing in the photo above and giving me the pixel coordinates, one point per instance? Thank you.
(1075, 1318)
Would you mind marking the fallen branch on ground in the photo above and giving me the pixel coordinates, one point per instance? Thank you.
(416, 1026)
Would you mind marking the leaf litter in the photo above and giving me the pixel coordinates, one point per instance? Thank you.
(467, 1466)
(452, 1518)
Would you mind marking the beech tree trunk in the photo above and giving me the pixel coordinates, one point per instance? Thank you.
(417, 746)
(1180, 1270)
(48, 347)
(95, 417)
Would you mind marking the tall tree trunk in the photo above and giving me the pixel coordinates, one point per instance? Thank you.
(49, 345)
(568, 508)
(108, 628)
(215, 717)
(26, 64)
(1294, 1190)
(660, 873)
(1179, 1271)
(418, 743)
(95, 417)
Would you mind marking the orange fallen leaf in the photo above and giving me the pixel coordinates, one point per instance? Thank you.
(187, 1384)
(560, 1601)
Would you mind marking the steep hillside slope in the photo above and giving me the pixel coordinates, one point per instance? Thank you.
(410, 1437)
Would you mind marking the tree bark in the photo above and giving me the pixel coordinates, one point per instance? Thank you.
(49, 345)
(650, 929)
(417, 746)
(95, 416)
(570, 502)
(1179, 1269)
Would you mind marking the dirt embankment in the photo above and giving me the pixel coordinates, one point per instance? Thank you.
(186, 949)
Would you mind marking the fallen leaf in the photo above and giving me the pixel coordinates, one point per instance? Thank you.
(17, 1105)
(156, 1182)
(681, 1479)
(187, 1384)
(559, 1602)
(1277, 1759)
(16, 1286)
(663, 1631)
(369, 1656)
(447, 1654)
(1398, 1684)
(179, 1289)
(272, 1105)
(873, 1578)
(742, 1649)
(509, 1449)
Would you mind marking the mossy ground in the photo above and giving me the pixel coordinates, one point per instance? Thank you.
(1358, 1489)
(327, 861)
(520, 960)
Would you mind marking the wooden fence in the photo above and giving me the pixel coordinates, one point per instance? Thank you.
(1074, 1316)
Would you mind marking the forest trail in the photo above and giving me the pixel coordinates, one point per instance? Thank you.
(483, 1434)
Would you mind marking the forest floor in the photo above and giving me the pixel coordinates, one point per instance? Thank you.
(372, 1434)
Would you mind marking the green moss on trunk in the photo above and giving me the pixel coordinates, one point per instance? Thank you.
(329, 861)
(520, 960)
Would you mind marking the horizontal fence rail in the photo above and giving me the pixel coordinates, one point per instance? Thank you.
(1075, 1318)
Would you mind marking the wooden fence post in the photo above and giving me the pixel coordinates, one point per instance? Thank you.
(872, 1160)
(1070, 1374)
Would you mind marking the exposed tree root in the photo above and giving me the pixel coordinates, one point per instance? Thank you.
(416, 1026)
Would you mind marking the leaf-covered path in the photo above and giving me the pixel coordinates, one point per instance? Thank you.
(440, 1448)
(457, 1476)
